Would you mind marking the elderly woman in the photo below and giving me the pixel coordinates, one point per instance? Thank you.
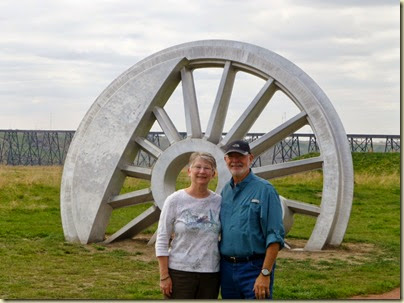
(189, 264)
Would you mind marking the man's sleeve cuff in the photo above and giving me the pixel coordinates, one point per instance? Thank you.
(276, 237)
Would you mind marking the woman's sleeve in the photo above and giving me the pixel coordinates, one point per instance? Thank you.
(165, 228)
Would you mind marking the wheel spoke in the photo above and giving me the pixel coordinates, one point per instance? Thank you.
(132, 198)
(250, 115)
(166, 125)
(149, 147)
(153, 239)
(288, 168)
(137, 172)
(303, 208)
(217, 118)
(192, 120)
(141, 222)
(282, 131)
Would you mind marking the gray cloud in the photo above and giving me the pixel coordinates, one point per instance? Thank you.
(58, 56)
(345, 3)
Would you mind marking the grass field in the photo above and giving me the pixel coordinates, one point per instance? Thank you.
(36, 262)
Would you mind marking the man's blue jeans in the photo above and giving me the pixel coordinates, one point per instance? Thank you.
(237, 279)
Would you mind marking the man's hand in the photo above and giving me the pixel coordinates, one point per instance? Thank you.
(261, 287)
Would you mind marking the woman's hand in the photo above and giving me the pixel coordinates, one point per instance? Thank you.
(166, 286)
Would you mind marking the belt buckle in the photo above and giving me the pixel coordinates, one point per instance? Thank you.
(233, 259)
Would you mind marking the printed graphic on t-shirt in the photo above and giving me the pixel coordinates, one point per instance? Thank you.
(200, 221)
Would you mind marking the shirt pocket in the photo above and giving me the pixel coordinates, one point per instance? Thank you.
(250, 216)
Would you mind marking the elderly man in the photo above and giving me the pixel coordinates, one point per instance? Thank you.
(252, 229)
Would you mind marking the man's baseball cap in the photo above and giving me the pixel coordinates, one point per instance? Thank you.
(238, 146)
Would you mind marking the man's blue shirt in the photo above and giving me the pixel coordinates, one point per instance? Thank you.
(251, 217)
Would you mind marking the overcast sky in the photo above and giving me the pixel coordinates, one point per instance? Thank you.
(56, 57)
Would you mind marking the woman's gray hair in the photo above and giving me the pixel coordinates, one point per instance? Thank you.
(205, 156)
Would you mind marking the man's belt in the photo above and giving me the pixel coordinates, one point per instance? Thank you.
(243, 259)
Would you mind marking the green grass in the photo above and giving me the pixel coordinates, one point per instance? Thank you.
(36, 262)
(377, 163)
(375, 220)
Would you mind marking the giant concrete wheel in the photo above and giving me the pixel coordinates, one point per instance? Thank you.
(115, 128)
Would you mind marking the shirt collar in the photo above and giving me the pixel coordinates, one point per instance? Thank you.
(245, 181)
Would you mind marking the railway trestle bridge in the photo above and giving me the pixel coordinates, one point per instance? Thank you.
(49, 147)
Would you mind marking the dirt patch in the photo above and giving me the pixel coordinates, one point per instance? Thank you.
(137, 247)
(349, 252)
(353, 253)
(391, 295)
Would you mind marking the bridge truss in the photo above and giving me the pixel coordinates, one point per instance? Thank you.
(49, 147)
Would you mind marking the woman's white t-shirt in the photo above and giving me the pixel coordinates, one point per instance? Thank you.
(195, 224)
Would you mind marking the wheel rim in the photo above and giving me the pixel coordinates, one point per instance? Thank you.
(113, 131)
